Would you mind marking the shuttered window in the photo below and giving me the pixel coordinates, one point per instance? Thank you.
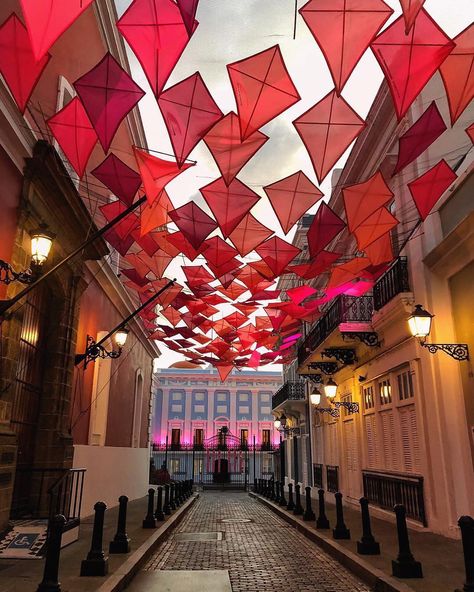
(350, 446)
(371, 439)
(405, 385)
(389, 441)
(368, 395)
(410, 439)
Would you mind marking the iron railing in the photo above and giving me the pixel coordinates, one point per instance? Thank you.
(344, 309)
(318, 475)
(387, 489)
(290, 391)
(332, 478)
(394, 281)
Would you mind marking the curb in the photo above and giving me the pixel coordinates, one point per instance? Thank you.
(118, 580)
(380, 581)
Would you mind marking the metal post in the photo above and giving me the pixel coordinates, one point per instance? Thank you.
(50, 582)
(367, 544)
(282, 459)
(277, 492)
(322, 522)
(166, 452)
(290, 506)
(121, 541)
(466, 524)
(340, 531)
(282, 501)
(295, 459)
(308, 514)
(254, 461)
(405, 566)
(271, 494)
(172, 496)
(166, 507)
(96, 563)
(159, 514)
(149, 520)
(298, 509)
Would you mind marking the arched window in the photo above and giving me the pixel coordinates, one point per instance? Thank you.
(137, 409)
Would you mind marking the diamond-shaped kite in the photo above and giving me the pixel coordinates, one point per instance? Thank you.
(319, 264)
(217, 251)
(195, 224)
(327, 129)
(373, 227)
(156, 215)
(326, 225)
(122, 180)
(362, 199)
(427, 189)
(188, 9)
(248, 234)
(178, 240)
(277, 253)
(410, 9)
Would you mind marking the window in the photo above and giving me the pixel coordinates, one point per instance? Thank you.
(243, 396)
(221, 396)
(346, 399)
(266, 410)
(173, 466)
(137, 409)
(176, 408)
(221, 408)
(265, 398)
(266, 438)
(176, 396)
(385, 392)
(244, 437)
(199, 409)
(199, 396)
(176, 437)
(243, 410)
(369, 399)
(198, 437)
(405, 385)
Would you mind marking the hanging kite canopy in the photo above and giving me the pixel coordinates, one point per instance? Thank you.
(229, 203)
(327, 129)
(326, 225)
(419, 136)
(122, 181)
(230, 153)
(189, 112)
(457, 72)
(363, 199)
(46, 20)
(410, 9)
(195, 224)
(155, 31)
(74, 133)
(373, 227)
(248, 234)
(344, 29)
(18, 65)
(427, 189)
(108, 94)
(409, 61)
(292, 197)
(156, 173)
(262, 88)
(188, 9)
(277, 253)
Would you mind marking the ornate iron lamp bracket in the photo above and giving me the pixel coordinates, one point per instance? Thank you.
(351, 406)
(333, 412)
(328, 368)
(316, 378)
(346, 356)
(370, 338)
(94, 351)
(458, 351)
(9, 275)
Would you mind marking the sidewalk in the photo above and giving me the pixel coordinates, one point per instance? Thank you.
(23, 575)
(441, 558)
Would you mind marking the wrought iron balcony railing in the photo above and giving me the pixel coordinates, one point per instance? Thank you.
(344, 309)
(392, 282)
(290, 391)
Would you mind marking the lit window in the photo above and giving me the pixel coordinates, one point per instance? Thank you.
(385, 392)
(369, 399)
(405, 385)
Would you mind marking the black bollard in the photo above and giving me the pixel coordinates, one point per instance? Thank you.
(308, 513)
(322, 522)
(121, 542)
(298, 509)
(177, 494)
(340, 531)
(367, 544)
(276, 499)
(290, 506)
(172, 494)
(466, 524)
(255, 486)
(159, 514)
(405, 565)
(282, 501)
(50, 583)
(96, 563)
(166, 506)
(149, 520)
(272, 489)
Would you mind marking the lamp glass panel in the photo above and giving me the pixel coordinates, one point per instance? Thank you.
(40, 248)
(315, 398)
(420, 326)
(121, 337)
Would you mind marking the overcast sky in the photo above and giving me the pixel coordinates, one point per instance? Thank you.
(230, 30)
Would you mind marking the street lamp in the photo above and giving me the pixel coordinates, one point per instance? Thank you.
(97, 350)
(330, 389)
(420, 327)
(315, 396)
(277, 424)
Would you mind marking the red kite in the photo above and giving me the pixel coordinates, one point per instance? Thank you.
(470, 132)
(113, 209)
(373, 227)
(74, 133)
(193, 222)
(380, 251)
(409, 61)
(410, 9)
(362, 199)
(120, 244)
(156, 215)
(230, 153)
(236, 319)
(300, 293)
(122, 181)
(320, 264)
(457, 72)
(217, 251)
(178, 240)
(327, 130)
(189, 112)
(292, 197)
(419, 136)
(277, 253)
(18, 66)
(344, 29)
(155, 31)
(262, 88)
(326, 225)
(188, 9)
(427, 189)
(248, 234)
(197, 275)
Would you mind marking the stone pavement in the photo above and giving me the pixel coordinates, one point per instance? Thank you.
(261, 552)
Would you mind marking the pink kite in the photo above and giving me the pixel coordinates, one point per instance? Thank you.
(326, 225)
(344, 29)
(122, 181)
(189, 112)
(427, 189)
(277, 253)
(410, 9)
(74, 133)
(155, 31)
(409, 61)
(300, 293)
(292, 197)
(188, 9)
(230, 153)
(327, 130)
(373, 227)
(195, 224)
(419, 136)
(262, 88)
(156, 173)
(457, 72)
(229, 203)
(108, 94)
(361, 200)
(18, 65)
(248, 234)
(46, 20)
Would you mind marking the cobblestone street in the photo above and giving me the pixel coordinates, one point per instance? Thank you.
(261, 551)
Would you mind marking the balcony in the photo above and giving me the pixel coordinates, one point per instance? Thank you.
(344, 309)
(290, 391)
(392, 282)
